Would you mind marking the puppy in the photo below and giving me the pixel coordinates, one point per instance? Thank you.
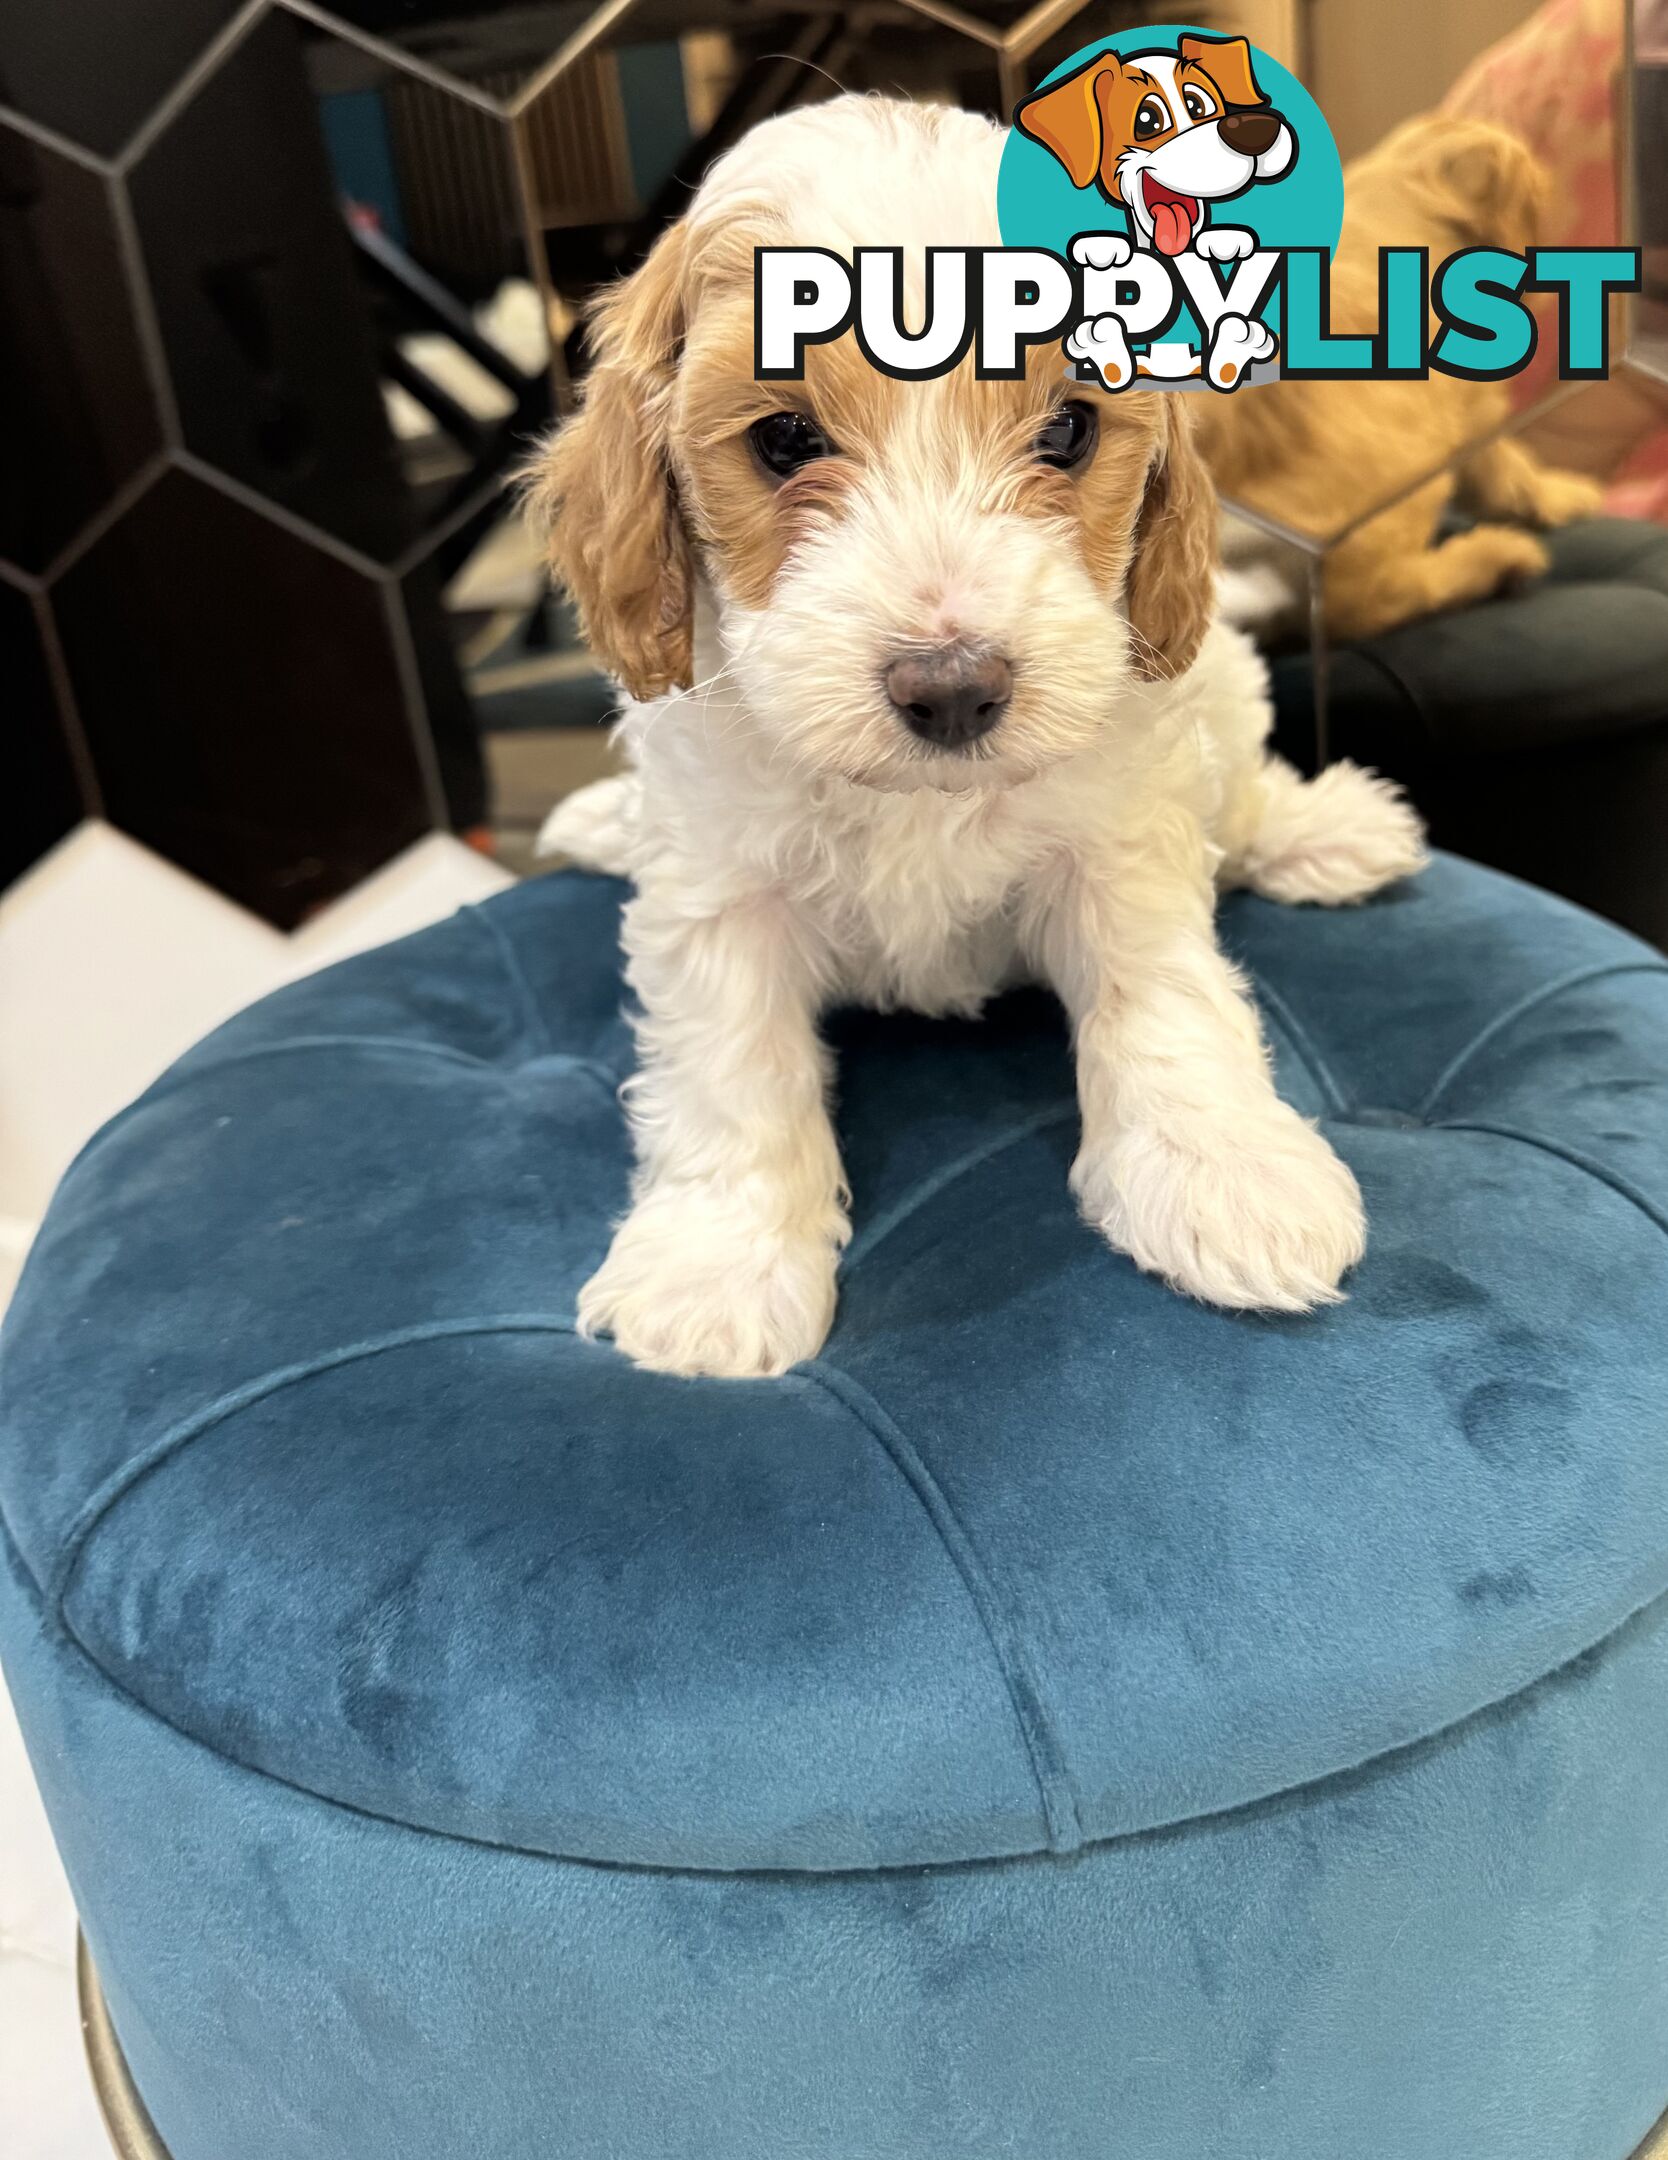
(1165, 135)
(927, 700)
(1317, 456)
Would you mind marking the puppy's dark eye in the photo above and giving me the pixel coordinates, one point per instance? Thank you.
(1199, 106)
(1069, 435)
(783, 441)
(1152, 117)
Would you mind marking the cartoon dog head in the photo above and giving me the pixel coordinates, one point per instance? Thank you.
(1164, 134)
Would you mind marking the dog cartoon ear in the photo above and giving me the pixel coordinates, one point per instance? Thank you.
(1066, 118)
(603, 489)
(1227, 61)
(1171, 587)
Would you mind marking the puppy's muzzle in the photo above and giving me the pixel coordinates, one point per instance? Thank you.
(950, 695)
(1250, 133)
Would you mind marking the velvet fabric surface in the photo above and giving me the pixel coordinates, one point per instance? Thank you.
(1060, 1721)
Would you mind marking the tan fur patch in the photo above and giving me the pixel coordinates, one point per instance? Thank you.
(659, 459)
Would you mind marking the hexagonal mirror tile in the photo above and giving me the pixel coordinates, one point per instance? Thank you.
(245, 700)
(262, 314)
(96, 70)
(78, 416)
(40, 799)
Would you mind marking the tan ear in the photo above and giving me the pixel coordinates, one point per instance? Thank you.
(1066, 119)
(1171, 588)
(1227, 61)
(604, 488)
(1501, 189)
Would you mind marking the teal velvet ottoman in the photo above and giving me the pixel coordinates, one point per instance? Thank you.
(1062, 1722)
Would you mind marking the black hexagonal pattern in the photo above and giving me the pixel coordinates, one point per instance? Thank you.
(39, 800)
(78, 415)
(264, 321)
(95, 70)
(242, 696)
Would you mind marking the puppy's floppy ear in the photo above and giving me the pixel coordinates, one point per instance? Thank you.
(1171, 589)
(1066, 118)
(1227, 61)
(605, 493)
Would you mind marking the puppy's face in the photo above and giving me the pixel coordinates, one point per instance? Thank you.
(943, 584)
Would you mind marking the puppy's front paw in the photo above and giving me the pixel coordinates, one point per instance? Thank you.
(1255, 1212)
(689, 1287)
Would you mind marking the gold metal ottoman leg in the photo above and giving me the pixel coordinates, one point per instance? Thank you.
(132, 2132)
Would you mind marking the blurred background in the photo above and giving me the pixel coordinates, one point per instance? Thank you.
(286, 290)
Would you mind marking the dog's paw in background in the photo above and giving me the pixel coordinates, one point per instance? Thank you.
(1102, 345)
(1333, 840)
(693, 1286)
(1506, 480)
(1563, 498)
(594, 827)
(1254, 1213)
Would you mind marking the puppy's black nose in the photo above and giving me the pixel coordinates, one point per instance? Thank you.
(950, 695)
(1251, 133)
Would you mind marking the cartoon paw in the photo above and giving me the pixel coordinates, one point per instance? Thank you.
(1236, 342)
(1101, 250)
(1225, 243)
(1103, 345)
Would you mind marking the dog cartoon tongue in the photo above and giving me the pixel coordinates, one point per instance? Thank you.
(1174, 216)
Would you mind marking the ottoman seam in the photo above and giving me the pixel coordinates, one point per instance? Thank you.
(1573, 1157)
(403, 1046)
(177, 1081)
(533, 1022)
(877, 1231)
(1307, 1055)
(1056, 1791)
(1272, 1798)
(1520, 1009)
(56, 1589)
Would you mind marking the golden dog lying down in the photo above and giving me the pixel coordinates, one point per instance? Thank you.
(1316, 455)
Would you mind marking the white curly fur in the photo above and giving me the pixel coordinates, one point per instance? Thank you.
(775, 877)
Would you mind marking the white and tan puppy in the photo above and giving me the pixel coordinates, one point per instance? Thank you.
(927, 701)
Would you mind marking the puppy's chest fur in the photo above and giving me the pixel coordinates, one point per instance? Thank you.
(918, 898)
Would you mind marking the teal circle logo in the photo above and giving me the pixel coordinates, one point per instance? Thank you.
(1040, 203)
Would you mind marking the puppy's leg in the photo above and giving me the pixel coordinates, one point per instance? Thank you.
(725, 1264)
(1391, 571)
(1190, 1162)
(594, 826)
(1504, 480)
(1333, 840)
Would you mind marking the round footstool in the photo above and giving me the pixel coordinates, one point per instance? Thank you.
(1061, 1722)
